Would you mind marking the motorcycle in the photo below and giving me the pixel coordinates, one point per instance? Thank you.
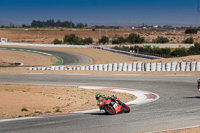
(198, 82)
(112, 106)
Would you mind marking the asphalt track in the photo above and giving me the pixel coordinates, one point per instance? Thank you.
(177, 107)
(68, 58)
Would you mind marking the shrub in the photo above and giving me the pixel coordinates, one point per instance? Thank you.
(189, 40)
(134, 38)
(194, 50)
(24, 109)
(161, 40)
(56, 41)
(180, 52)
(71, 39)
(88, 40)
(191, 31)
(104, 40)
(57, 110)
(119, 40)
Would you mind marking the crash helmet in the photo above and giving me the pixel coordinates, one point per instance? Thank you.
(98, 96)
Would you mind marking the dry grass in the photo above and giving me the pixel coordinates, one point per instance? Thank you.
(47, 35)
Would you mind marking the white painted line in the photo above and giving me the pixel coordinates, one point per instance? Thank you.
(76, 74)
(127, 74)
(179, 75)
(32, 73)
(18, 119)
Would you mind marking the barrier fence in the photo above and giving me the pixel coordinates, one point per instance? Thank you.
(135, 66)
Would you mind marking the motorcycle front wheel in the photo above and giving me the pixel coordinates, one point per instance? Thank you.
(125, 108)
(109, 110)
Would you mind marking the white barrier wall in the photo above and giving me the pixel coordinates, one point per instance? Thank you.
(130, 66)
(178, 67)
(173, 67)
(110, 67)
(139, 66)
(163, 67)
(125, 67)
(193, 64)
(153, 66)
(188, 66)
(115, 67)
(105, 67)
(120, 65)
(198, 66)
(183, 66)
(168, 67)
(158, 66)
(135, 66)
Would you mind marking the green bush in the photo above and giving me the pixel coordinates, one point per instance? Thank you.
(194, 50)
(72, 39)
(104, 40)
(56, 41)
(24, 109)
(118, 40)
(161, 40)
(191, 31)
(135, 38)
(178, 52)
(189, 40)
(88, 40)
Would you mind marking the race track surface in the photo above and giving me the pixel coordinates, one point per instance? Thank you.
(177, 107)
(68, 58)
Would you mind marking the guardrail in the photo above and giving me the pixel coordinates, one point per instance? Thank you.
(48, 45)
(128, 53)
(135, 66)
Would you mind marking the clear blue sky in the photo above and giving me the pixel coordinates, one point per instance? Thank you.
(107, 12)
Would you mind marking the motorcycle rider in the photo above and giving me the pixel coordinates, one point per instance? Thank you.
(113, 98)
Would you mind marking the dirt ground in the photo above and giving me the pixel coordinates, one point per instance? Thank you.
(28, 59)
(47, 35)
(29, 100)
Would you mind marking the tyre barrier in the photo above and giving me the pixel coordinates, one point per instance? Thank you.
(135, 66)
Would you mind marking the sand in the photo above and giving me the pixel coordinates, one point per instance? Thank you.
(7, 57)
(29, 100)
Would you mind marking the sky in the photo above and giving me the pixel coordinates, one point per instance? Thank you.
(102, 12)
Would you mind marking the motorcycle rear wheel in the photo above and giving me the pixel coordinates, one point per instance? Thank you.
(109, 110)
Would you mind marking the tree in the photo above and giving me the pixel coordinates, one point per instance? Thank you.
(79, 25)
(52, 23)
(191, 31)
(104, 40)
(134, 38)
(189, 40)
(194, 50)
